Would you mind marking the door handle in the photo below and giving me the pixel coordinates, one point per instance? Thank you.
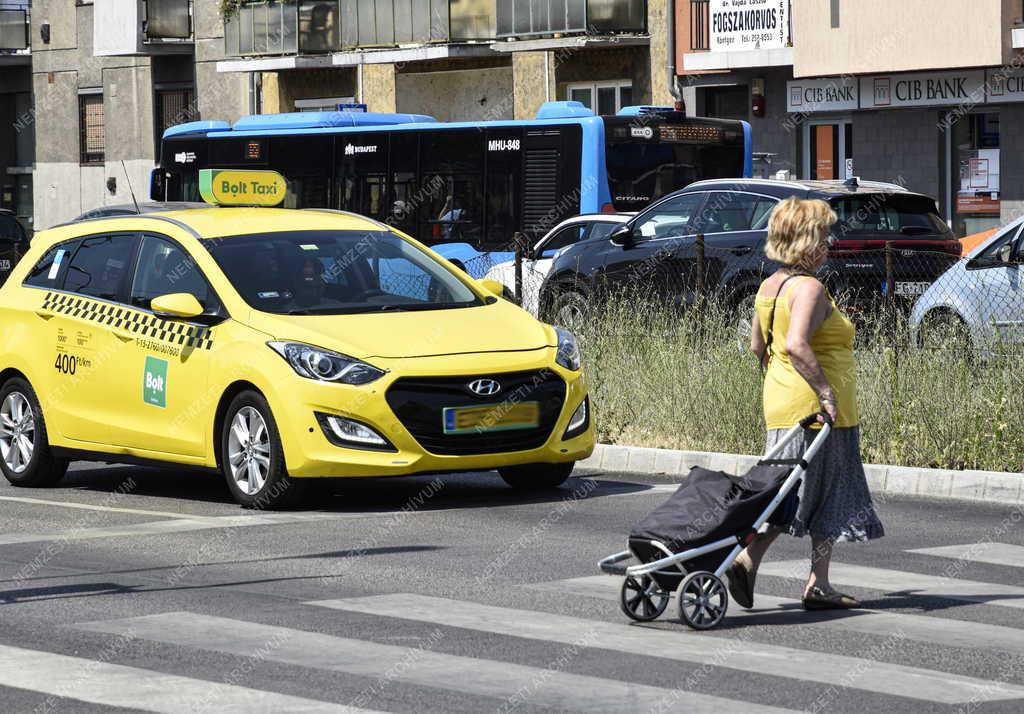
(45, 314)
(741, 250)
(123, 334)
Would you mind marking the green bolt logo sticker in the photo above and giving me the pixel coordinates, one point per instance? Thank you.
(154, 385)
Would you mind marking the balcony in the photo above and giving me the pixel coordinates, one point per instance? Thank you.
(14, 27)
(538, 18)
(326, 26)
(715, 45)
(142, 27)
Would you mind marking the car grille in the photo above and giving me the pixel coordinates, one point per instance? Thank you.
(419, 403)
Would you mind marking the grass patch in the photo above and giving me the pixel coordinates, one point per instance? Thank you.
(680, 381)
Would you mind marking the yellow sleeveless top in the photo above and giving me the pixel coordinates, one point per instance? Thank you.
(788, 397)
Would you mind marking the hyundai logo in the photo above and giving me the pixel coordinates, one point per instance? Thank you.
(485, 387)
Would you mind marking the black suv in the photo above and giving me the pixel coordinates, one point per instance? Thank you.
(721, 224)
(13, 243)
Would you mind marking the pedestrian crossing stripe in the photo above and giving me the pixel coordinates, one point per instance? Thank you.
(141, 324)
(768, 609)
(751, 657)
(125, 687)
(516, 684)
(898, 581)
(990, 553)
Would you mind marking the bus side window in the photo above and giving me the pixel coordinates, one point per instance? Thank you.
(404, 196)
(504, 181)
(451, 183)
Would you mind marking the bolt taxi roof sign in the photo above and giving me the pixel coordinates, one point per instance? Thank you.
(230, 187)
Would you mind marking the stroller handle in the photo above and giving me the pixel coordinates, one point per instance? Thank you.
(807, 421)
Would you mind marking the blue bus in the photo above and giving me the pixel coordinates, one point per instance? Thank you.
(465, 188)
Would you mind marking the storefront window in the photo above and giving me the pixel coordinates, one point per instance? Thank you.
(976, 155)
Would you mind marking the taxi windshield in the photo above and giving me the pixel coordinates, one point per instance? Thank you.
(336, 273)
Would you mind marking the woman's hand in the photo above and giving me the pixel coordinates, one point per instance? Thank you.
(828, 405)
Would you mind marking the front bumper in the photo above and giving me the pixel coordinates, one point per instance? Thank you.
(309, 453)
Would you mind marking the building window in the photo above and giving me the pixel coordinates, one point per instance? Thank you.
(835, 13)
(323, 104)
(176, 105)
(92, 138)
(603, 98)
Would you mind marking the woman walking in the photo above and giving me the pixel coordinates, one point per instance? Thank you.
(805, 344)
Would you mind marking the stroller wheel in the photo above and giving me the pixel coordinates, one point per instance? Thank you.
(642, 599)
(703, 600)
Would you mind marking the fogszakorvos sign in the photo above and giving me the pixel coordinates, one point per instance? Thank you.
(737, 25)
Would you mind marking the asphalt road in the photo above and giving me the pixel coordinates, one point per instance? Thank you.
(128, 589)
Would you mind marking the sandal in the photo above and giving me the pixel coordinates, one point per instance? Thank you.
(741, 585)
(818, 599)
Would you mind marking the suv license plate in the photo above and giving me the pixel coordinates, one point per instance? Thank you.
(911, 289)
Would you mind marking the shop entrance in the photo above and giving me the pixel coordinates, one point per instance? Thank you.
(973, 160)
(828, 149)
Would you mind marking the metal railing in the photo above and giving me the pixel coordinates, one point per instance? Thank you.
(527, 18)
(700, 25)
(167, 19)
(15, 20)
(319, 26)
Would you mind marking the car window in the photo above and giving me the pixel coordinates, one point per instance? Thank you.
(100, 266)
(49, 271)
(888, 213)
(673, 217)
(762, 213)
(601, 230)
(164, 268)
(729, 211)
(569, 235)
(988, 255)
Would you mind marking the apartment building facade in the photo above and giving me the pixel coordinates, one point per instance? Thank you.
(107, 77)
(926, 93)
(451, 59)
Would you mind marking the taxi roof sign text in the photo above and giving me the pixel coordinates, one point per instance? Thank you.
(230, 187)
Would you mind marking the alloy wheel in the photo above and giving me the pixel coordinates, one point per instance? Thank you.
(249, 451)
(17, 432)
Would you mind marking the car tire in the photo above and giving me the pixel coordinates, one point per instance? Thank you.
(569, 309)
(23, 429)
(537, 477)
(944, 330)
(252, 458)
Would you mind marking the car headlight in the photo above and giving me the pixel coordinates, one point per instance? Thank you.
(568, 351)
(325, 366)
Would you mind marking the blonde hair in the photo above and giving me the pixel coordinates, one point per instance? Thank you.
(795, 230)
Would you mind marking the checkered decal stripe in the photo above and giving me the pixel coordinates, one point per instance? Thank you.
(139, 323)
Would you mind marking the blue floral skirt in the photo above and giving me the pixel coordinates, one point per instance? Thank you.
(835, 503)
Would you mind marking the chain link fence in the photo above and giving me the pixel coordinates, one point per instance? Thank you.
(938, 349)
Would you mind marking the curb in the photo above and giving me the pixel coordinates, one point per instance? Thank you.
(988, 486)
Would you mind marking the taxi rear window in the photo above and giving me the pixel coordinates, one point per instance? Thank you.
(49, 271)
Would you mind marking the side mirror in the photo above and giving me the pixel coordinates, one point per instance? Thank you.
(622, 236)
(177, 306)
(1005, 254)
(492, 286)
(157, 185)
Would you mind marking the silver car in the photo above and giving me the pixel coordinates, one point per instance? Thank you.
(980, 299)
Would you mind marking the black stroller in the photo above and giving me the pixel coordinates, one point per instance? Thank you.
(679, 544)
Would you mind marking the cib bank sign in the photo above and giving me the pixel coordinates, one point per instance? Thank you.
(748, 25)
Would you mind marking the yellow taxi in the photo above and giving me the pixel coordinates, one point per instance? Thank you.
(276, 346)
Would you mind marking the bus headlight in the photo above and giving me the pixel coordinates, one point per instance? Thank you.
(325, 366)
(568, 351)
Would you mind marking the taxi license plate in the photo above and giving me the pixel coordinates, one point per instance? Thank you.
(496, 417)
